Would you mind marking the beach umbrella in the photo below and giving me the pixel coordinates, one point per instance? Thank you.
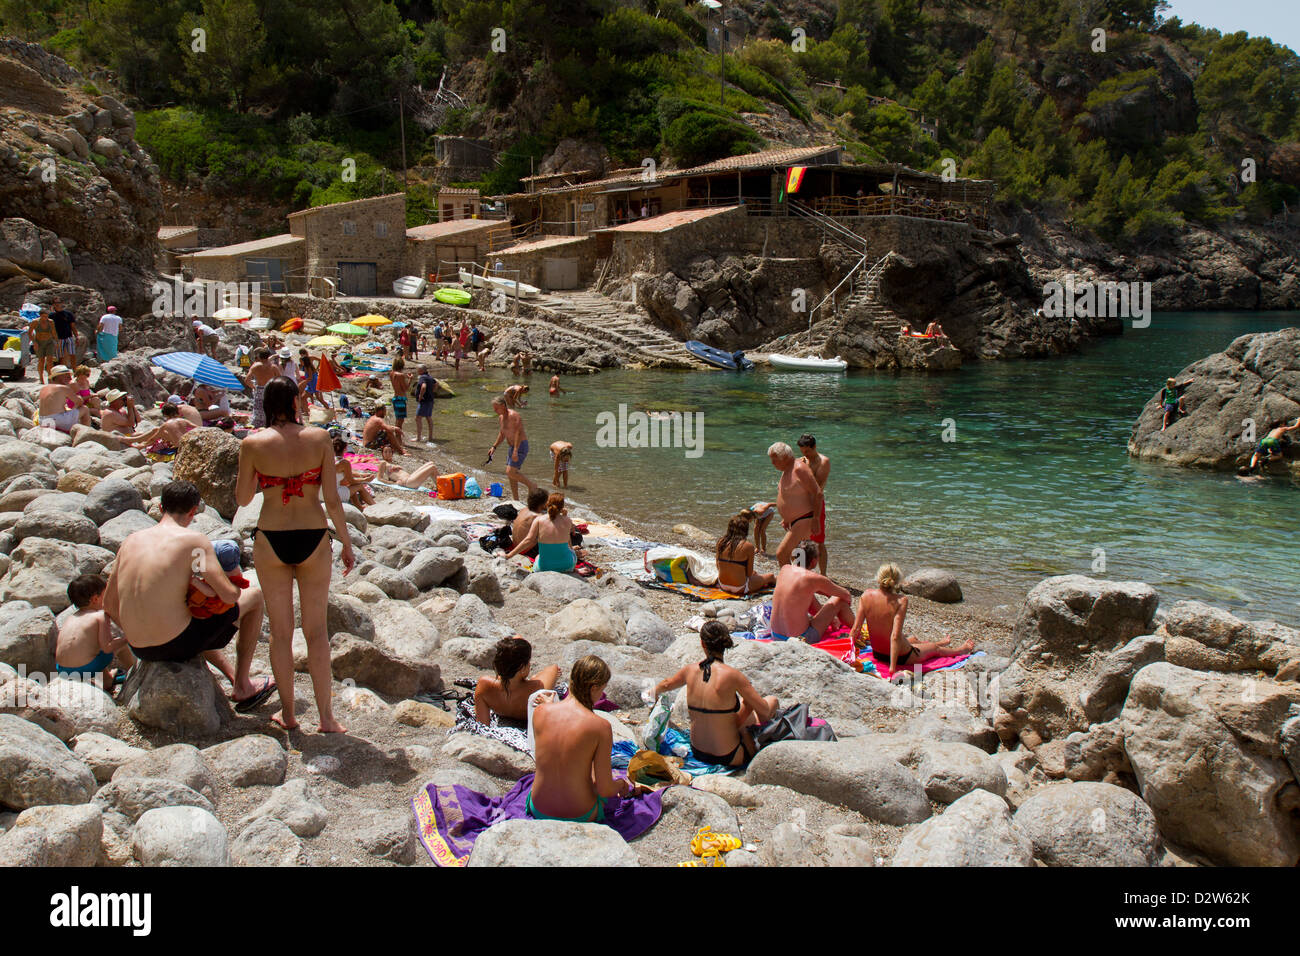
(326, 380)
(398, 325)
(343, 328)
(202, 368)
(232, 313)
(326, 341)
(369, 321)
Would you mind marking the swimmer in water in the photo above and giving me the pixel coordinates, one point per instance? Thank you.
(555, 386)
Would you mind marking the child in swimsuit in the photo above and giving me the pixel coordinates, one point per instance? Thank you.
(86, 645)
(200, 598)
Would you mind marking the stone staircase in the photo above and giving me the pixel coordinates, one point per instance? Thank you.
(618, 325)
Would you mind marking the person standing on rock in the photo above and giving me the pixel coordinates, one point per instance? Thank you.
(110, 323)
(1171, 397)
(45, 343)
(65, 326)
(147, 590)
(821, 469)
(516, 439)
(798, 498)
(260, 374)
(292, 467)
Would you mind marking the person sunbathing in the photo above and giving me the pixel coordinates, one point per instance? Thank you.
(552, 533)
(164, 439)
(882, 611)
(726, 706)
(935, 330)
(507, 694)
(736, 561)
(397, 475)
(352, 486)
(187, 411)
(794, 601)
(572, 747)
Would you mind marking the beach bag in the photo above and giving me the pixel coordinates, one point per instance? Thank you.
(657, 722)
(653, 769)
(500, 538)
(506, 512)
(472, 490)
(451, 487)
(495, 489)
(672, 569)
(793, 723)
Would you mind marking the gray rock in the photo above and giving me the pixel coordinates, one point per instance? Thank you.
(63, 707)
(103, 754)
(69, 835)
(25, 458)
(36, 769)
(789, 845)
(375, 665)
(295, 805)
(551, 843)
(1103, 695)
(182, 698)
(490, 756)
(696, 808)
(267, 842)
(1289, 740)
(934, 584)
(955, 725)
(947, 770)
(623, 603)
(393, 583)
(649, 631)
(405, 631)
(41, 568)
(977, 830)
(432, 566)
(28, 638)
(255, 760)
(179, 762)
(876, 786)
(585, 620)
(132, 797)
(114, 531)
(1089, 824)
(389, 835)
(110, 498)
(736, 792)
(181, 836)
(60, 525)
(560, 587)
(396, 513)
(347, 615)
(849, 844)
(1206, 638)
(365, 592)
(472, 651)
(1097, 753)
(471, 617)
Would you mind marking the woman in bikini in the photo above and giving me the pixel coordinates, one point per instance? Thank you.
(723, 704)
(293, 468)
(352, 487)
(882, 610)
(551, 533)
(572, 749)
(736, 561)
(507, 694)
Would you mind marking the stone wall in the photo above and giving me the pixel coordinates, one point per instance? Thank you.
(328, 245)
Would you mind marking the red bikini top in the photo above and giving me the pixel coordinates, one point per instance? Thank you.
(293, 484)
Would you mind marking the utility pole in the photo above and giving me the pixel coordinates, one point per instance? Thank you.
(401, 122)
(722, 50)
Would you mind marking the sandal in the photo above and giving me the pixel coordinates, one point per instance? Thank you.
(707, 843)
(256, 699)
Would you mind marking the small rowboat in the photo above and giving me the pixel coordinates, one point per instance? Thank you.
(502, 285)
(806, 363)
(410, 287)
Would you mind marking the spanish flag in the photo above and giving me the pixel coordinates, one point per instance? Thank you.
(794, 179)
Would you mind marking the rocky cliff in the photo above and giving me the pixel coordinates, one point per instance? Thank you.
(1254, 382)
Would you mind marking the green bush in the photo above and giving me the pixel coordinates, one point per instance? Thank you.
(697, 137)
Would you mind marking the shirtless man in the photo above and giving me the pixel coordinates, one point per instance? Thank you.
(259, 376)
(821, 469)
(555, 386)
(561, 454)
(147, 590)
(119, 413)
(798, 499)
(166, 438)
(377, 435)
(516, 439)
(60, 405)
(1269, 448)
(400, 379)
(211, 403)
(187, 411)
(534, 507)
(794, 599)
(517, 396)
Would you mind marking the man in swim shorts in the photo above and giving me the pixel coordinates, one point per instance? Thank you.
(798, 499)
(379, 436)
(821, 469)
(1270, 447)
(147, 591)
(60, 405)
(516, 439)
(561, 455)
(795, 596)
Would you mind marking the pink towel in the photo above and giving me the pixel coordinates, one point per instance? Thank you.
(933, 664)
(362, 462)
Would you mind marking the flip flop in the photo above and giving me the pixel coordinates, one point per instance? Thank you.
(253, 701)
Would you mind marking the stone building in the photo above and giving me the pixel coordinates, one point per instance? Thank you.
(458, 204)
(362, 243)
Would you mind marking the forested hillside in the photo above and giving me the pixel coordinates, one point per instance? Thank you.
(1101, 113)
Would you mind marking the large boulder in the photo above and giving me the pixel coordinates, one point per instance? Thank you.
(267, 842)
(650, 631)
(934, 584)
(248, 761)
(182, 698)
(110, 498)
(1068, 628)
(68, 835)
(209, 458)
(432, 566)
(295, 805)
(551, 843)
(181, 763)
(375, 665)
(25, 458)
(977, 830)
(585, 620)
(1209, 639)
(1090, 824)
(399, 513)
(132, 373)
(57, 525)
(471, 617)
(560, 587)
(1206, 751)
(132, 797)
(181, 836)
(41, 568)
(948, 770)
(37, 769)
(490, 756)
(27, 638)
(1256, 378)
(63, 707)
(103, 754)
(875, 785)
(116, 530)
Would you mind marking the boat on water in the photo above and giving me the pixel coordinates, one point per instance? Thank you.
(453, 296)
(730, 361)
(410, 287)
(503, 285)
(806, 363)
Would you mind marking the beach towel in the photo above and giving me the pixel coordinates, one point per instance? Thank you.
(388, 484)
(841, 647)
(450, 819)
(933, 664)
(673, 743)
(696, 592)
(668, 563)
(514, 737)
(439, 513)
(362, 462)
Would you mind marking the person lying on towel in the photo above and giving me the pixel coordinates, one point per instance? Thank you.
(724, 706)
(795, 609)
(572, 747)
(881, 611)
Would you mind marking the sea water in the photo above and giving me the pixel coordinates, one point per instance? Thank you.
(1003, 472)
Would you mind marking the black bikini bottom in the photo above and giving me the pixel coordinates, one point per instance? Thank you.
(295, 546)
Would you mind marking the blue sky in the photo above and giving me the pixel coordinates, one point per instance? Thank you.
(1279, 20)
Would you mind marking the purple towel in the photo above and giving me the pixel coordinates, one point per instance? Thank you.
(451, 818)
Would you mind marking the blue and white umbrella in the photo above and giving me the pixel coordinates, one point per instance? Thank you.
(202, 368)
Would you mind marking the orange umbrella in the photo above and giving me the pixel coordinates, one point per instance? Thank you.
(326, 380)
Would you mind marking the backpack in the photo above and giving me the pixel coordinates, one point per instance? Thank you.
(793, 723)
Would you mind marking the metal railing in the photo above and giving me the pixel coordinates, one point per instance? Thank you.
(913, 207)
(455, 266)
(857, 281)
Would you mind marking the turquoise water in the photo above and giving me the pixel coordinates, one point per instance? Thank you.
(1037, 481)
